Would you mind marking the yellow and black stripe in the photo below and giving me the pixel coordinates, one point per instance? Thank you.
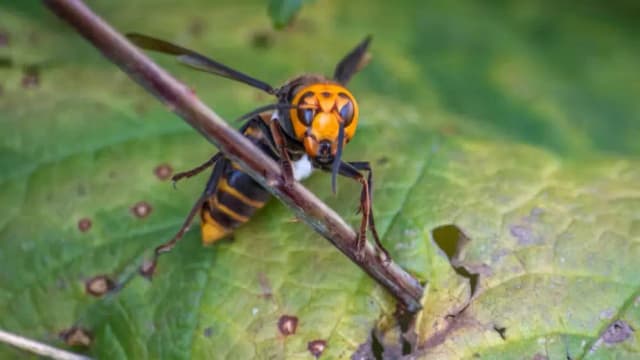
(236, 196)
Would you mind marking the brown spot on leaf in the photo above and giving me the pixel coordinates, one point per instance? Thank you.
(148, 268)
(76, 336)
(99, 285)
(208, 331)
(84, 224)
(288, 325)
(141, 209)
(163, 171)
(525, 234)
(196, 27)
(4, 38)
(263, 39)
(525, 230)
(383, 160)
(453, 324)
(30, 77)
(617, 332)
(316, 347)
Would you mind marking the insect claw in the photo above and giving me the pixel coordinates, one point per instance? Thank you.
(360, 246)
(177, 177)
(287, 181)
(384, 257)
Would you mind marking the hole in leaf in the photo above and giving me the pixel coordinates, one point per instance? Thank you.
(376, 346)
(406, 321)
(406, 347)
(451, 239)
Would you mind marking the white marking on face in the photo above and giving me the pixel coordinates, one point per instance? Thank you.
(302, 168)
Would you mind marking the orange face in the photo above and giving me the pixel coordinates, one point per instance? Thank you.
(321, 109)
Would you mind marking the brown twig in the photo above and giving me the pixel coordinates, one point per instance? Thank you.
(181, 100)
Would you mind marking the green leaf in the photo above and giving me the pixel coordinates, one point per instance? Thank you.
(504, 142)
(283, 11)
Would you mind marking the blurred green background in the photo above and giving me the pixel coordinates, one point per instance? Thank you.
(516, 121)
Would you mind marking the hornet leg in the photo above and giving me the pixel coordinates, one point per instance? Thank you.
(197, 170)
(218, 170)
(280, 142)
(351, 170)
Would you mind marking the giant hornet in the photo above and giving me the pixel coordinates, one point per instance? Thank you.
(308, 126)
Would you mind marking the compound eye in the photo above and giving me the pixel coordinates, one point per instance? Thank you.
(306, 116)
(346, 111)
(307, 110)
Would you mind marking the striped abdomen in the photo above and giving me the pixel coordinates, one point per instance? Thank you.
(236, 197)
